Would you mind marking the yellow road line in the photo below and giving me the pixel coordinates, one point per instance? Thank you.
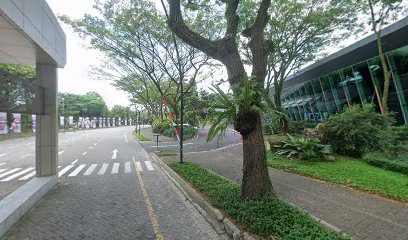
(155, 223)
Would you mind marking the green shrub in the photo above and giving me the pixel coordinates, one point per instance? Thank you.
(298, 126)
(265, 217)
(355, 130)
(302, 148)
(397, 142)
(380, 160)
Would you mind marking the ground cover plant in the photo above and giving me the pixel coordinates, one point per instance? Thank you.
(265, 217)
(141, 137)
(165, 154)
(382, 161)
(301, 148)
(350, 172)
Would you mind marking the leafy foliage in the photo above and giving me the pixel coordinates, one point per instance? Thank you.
(396, 144)
(301, 148)
(264, 217)
(350, 172)
(355, 130)
(380, 160)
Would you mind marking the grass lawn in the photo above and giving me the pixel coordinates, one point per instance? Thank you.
(265, 217)
(141, 137)
(350, 172)
(165, 154)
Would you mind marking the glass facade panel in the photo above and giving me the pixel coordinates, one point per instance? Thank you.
(356, 84)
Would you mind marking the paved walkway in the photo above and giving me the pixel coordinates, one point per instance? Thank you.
(360, 215)
(140, 203)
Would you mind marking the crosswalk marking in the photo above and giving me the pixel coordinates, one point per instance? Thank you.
(2, 155)
(64, 170)
(115, 168)
(2, 163)
(10, 172)
(27, 173)
(90, 169)
(83, 154)
(139, 167)
(77, 170)
(27, 176)
(17, 174)
(149, 166)
(103, 169)
(127, 167)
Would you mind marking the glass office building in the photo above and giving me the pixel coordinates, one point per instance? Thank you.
(353, 75)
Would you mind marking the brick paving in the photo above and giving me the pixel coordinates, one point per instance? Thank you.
(360, 215)
(112, 206)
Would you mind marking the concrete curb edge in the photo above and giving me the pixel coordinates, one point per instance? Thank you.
(221, 224)
(15, 205)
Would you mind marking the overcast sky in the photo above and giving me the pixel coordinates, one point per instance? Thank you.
(74, 78)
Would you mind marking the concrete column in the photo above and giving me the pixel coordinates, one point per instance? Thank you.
(46, 160)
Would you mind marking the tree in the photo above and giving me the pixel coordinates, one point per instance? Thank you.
(299, 32)
(134, 38)
(256, 182)
(381, 12)
(89, 105)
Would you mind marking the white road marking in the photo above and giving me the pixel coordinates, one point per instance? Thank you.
(77, 170)
(10, 172)
(2, 155)
(24, 156)
(115, 168)
(83, 154)
(64, 170)
(60, 152)
(75, 161)
(12, 147)
(2, 170)
(31, 143)
(114, 155)
(139, 167)
(149, 166)
(127, 167)
(90, 169)
(95, 144)
(126, 138)
(103, 169)
(90, 148)
(2, 163)
(17, 174)
(27, 176)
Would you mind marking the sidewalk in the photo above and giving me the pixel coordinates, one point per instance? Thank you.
(360, 215)
(140, 204)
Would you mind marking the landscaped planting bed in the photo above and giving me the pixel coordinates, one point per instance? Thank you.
(265, 217)
(348, 171)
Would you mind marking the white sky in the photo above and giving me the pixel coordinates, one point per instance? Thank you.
(74, 77)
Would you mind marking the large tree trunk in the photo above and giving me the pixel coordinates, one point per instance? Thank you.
(255, 181)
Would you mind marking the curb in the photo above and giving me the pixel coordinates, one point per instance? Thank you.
(222, 225)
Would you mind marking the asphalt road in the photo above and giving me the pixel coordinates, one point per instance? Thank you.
(17, 156)
(109, 188)
(198, 144)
